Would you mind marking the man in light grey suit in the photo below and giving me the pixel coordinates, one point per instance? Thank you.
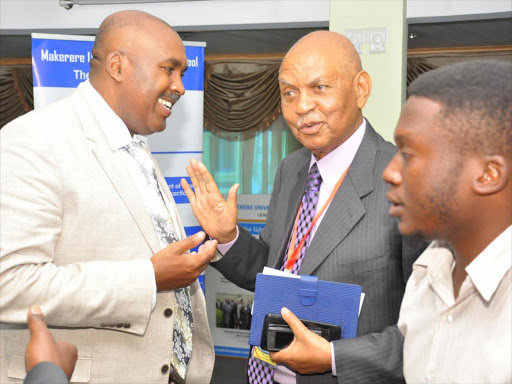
(323, 91)
(77, 236)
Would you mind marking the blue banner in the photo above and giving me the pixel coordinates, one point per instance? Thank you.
(253, 228)
(65, 64)
(230, 351)
(177, 191)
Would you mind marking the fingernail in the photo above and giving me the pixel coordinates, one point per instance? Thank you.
(200, 234)
(35, 310)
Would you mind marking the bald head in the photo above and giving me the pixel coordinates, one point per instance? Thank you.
(116, 32)
(331, 46)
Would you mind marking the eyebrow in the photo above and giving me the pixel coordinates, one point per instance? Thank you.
(316, 80)
(285, 82)
(176, 63)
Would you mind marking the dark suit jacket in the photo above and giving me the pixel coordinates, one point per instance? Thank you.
(46, 373)
(357, 242)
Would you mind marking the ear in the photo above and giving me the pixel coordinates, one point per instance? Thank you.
(494, 175)
(363, 84)
(114, 64)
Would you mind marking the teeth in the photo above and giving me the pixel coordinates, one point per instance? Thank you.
(165, 103)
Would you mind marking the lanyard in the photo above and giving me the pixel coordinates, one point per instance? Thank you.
(293, 253)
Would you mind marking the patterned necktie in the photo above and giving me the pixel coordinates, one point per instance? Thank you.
(260, 372)
(182, 322)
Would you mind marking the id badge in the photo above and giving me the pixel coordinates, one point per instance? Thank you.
(262, 355)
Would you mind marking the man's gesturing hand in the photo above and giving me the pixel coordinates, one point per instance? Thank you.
(216, 215)
(42, 347)
(176, 269)
(308, 353)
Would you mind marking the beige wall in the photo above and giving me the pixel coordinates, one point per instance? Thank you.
(387, 69)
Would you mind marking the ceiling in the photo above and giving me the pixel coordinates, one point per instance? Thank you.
(473, 33)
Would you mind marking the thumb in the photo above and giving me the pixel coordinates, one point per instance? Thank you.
(232, 196)
(189, 242)
(293, 321)
(35, 320)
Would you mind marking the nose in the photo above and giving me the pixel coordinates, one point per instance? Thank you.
(392, 173)
(177, 85)
(305, 103)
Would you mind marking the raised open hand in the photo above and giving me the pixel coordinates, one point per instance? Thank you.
(216, 215)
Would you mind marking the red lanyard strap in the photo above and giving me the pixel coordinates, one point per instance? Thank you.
(293, 253)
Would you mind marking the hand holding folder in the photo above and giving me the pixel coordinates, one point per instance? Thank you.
(308, 298)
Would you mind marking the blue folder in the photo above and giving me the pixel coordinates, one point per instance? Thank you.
(309, 299)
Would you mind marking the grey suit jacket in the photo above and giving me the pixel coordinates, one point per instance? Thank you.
(46, 373)
(357, 242)
(76, 240)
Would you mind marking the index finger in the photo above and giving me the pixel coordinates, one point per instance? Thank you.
(206, 253)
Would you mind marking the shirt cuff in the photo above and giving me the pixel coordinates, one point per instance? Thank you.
(153, 302)
(223, 248)
(333, 360)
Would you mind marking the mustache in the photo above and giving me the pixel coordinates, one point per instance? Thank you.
(172, 96)
(304, 117)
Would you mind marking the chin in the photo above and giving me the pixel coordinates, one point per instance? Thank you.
(406, 229)
(157, 129)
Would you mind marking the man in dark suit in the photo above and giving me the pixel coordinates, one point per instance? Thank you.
(46, 361)
(335, 179)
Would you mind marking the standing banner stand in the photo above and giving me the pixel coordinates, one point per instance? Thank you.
(229, 306)
(61, 62)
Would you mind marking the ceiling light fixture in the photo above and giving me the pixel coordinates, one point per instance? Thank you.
(68, 4)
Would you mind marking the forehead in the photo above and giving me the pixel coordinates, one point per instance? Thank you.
(159, 41)
(303, 65)
(419, 121)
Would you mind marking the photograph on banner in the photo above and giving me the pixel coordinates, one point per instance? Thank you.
(233, 311)
(229, 306)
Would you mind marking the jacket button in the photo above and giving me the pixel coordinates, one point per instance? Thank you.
(165, 368)
(127, 325)
(168, 312)
(119, 325)
(103, 325)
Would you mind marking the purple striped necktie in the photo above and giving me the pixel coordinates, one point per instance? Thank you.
(260, 372)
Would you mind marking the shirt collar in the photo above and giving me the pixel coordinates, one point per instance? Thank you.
(486, 270)
(332, 165)
(489, 267)
(113, 127)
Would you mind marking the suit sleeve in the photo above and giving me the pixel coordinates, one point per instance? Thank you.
(377, 357)
(44, 373)
(249, 255)
(81, 294)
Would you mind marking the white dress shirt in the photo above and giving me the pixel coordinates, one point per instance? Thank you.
(331, 167)
(118, 136)
(462, 340)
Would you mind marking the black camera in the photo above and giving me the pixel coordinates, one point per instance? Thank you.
(277, 334)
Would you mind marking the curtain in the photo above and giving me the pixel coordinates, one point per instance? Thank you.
(16, 92)
(252, 162)
(416, 66)
(241, 97)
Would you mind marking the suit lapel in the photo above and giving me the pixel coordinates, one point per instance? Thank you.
(346, 209)
(115, 168)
